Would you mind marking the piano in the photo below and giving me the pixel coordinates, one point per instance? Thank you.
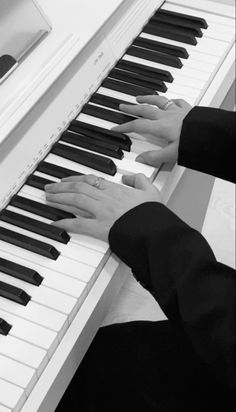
(55, 287)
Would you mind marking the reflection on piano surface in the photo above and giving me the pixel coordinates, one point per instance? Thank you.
(55, 287)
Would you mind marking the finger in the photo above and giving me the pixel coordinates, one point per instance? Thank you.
(136, 126)
(182, 103)
(76, 225)
(71, 209)
(74, 187)
(80, 201)
(90, 179)
(157, 157)
(138, 181)
(84, 226)
(70, 225)
(158, 101)
(141, 110)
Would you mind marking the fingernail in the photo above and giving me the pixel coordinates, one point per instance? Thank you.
(48, 187)
(140, 159)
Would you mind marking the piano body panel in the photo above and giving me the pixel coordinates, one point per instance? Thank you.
(43, 116)
(62, 366)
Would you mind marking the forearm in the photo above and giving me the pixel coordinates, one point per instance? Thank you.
(176, 264)
(207, 142)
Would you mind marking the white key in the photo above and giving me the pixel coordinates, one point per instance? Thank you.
(28, 214)
(210, 18)
(206, 46)
(11, 396)
(70, 250)
(62, 264)
(184, 71)
(117, 95)
(220, 32)
(46, 176)
(201, 57)
(188, 82)
(23, 352)
(95, 120)
(57, 160)
(128, 166)
(181, 90)
(87, 241)
(196, 52)
(43, 295)
(40, 194)
(188, 99)
(37, 314)
(18, 374)
(51, 279)
(200, 65)
(30, 332)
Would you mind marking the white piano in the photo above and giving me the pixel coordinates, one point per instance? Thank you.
(65, 292)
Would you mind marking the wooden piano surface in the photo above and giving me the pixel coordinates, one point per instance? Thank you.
(52, 86)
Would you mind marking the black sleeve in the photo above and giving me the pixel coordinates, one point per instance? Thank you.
(207, 142)
(176, 264)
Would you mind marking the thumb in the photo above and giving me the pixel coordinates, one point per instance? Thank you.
(138, 181)
(157, 157)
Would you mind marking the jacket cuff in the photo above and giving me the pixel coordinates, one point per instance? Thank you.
(132, 233)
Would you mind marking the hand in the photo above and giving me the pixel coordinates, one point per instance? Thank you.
(165, 124)
(104, 201)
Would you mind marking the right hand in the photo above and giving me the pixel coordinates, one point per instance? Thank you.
(164, 124)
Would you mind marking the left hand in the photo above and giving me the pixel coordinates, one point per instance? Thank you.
(104, 201)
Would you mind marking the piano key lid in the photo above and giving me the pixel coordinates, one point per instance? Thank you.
(22, 26)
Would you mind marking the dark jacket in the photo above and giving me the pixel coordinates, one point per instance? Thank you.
(175, 263)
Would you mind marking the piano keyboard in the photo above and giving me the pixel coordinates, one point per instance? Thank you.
(46, 273)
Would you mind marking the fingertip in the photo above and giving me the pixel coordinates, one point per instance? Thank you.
(127, 180)
(140, 159)
(115, 128)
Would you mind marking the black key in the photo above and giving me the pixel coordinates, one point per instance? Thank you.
(92, 144)
(193, 20)
(105, 114)
(101, 133)
(35, 226)
(38, 182)
(28, 243)
(161, 47)
(170, 32)
(108, 101)
(12, 293)
(145, 70)
(178, 22)
(154, 56)
(40, 209)
(20, 272)
(138, 79)
(4, 327)
(127, 88)
(55, 170)
(97, 162)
